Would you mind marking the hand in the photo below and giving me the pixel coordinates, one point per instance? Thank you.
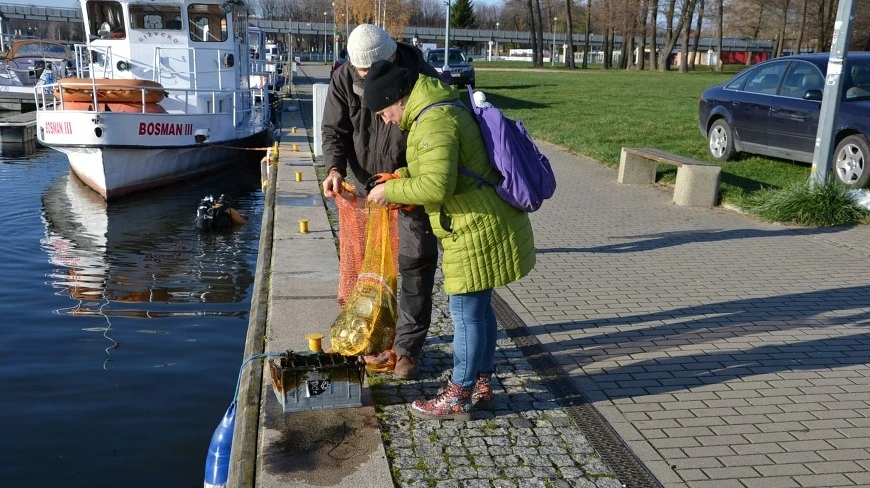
(378, 195)
(379, 178)
(332, 183)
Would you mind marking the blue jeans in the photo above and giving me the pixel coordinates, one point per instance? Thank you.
(474, 336)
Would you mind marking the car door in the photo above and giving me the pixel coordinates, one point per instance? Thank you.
(794, 120)
(751, 107)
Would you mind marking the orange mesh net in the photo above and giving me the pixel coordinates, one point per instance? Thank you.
(367, 322)
(352, 216)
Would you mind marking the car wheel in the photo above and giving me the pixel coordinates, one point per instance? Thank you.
(720, 141)
(850, 161)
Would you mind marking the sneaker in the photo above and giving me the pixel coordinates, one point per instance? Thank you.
(451, 403)
(406, 369)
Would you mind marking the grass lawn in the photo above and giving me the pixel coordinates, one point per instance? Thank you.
(596, 112)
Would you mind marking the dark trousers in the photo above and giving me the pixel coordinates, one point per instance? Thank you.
(418, 260)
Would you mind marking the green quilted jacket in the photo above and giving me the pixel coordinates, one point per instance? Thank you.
(487, 243)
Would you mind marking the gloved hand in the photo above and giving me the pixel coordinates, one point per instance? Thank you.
(379, 178)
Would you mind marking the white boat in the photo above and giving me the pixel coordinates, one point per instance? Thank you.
(171, 94)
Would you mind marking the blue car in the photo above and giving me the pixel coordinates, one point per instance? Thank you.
(461, 70)
(772, 109)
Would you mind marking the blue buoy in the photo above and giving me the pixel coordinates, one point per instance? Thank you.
(217, 463)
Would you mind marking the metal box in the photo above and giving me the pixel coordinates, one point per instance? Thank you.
(317, 381)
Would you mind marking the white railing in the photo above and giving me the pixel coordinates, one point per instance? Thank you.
(245, 103)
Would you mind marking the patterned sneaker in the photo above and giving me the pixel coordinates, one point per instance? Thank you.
(482, 394)
(452, 403)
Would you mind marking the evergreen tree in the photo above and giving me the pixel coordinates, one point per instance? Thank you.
(462, 15)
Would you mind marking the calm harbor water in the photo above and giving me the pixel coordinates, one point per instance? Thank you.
(123, 326)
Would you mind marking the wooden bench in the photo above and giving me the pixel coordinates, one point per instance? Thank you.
(697, 183)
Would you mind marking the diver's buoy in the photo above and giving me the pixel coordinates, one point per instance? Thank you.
(217, 463)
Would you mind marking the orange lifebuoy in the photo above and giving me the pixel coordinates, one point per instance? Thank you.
(109, 90)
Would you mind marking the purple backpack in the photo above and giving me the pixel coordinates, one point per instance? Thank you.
(527, 178)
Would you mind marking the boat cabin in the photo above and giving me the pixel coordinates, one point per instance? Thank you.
(180, 44)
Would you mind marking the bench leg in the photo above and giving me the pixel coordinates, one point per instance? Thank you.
(636, 170)
(697, 186)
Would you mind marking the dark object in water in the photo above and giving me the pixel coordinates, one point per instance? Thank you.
(218, 214)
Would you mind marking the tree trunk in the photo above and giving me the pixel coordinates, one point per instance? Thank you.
(608, 50)
(533, 32)
(653, 46)
(670, 43)
(631, 35)
(641, 49)
(719, 44)
(687, 28)
(780, 44)
(569, 37)
(540, 34)
(697, 34)
(800, 39)
(584, 64)
(669, 19)
(758, 21)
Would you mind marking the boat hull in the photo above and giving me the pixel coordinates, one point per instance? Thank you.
(115, 172)
(116, 154)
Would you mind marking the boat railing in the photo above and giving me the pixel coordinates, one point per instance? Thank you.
(100, 96)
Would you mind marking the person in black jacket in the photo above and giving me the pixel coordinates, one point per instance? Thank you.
(355, 138)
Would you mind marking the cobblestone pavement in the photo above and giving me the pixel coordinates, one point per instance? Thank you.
(525, 440)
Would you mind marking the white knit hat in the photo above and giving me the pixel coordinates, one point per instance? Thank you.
(369, 43)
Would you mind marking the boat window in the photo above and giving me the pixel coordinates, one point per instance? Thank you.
(106, 20)
(155, 17)
(208, 23)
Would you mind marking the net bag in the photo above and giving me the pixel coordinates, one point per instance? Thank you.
(352, 216)
(367, 322)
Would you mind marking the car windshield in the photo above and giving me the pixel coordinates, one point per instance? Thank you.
(436, 58)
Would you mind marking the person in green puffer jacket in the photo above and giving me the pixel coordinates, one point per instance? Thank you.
(486, 242)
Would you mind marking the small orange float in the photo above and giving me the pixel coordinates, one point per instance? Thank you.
(109, 90)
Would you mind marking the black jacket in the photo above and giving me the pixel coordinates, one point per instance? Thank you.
(352, 134)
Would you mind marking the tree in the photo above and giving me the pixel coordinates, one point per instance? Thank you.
(539, 34)
(569, 37)
(462, 15)
(533, 31)
(697, 37)
(653, 22)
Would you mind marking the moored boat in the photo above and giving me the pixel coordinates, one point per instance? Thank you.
(171, 95)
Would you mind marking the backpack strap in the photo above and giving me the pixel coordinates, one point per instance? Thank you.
(462, 170)
(455, 103)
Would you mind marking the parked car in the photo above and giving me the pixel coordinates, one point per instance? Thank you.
(772, 109)
(26, 60)
(461, 70)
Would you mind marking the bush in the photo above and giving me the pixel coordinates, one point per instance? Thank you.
(801, 203)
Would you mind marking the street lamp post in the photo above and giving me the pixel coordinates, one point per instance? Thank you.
(553, 54)
(326, 38)
(446, 67)
(496, 39)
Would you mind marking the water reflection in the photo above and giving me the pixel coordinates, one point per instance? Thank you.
(142, 257)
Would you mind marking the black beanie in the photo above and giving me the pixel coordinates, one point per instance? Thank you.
(386, 84)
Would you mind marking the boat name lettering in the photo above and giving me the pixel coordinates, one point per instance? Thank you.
(164, 129)
(58, 127)
(149, 35)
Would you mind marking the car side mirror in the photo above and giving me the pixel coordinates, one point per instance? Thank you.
(814, 94)
(470, 60)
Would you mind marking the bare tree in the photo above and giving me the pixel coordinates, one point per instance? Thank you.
(697, 37)
(653, 26)
(641, 58)
(719, 34)
(586, 37)
(780, 37)
(533, 33)
(539, 34)
(672, 41)
(569, 36)
(687, 14)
